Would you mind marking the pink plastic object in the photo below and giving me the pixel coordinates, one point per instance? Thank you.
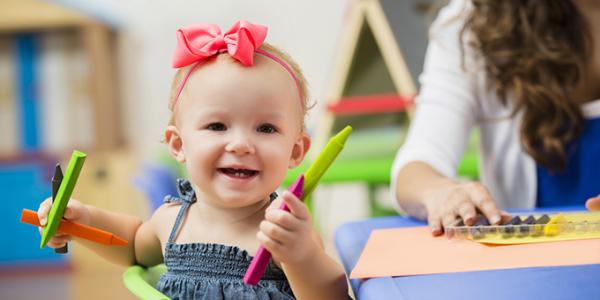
(263, 256)
(199, 42)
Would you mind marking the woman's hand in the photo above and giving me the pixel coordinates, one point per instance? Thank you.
(447, 205)
(289, 236)
(76, 212)
(593, 204)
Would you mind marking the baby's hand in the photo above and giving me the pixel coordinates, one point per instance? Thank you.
(289, 236)
(76, 212)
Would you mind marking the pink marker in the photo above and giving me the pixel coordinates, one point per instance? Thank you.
(263, 256)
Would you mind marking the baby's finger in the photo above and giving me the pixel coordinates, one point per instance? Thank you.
(275, 232)
(297, 208)
(60, 235)
(483, 201)
(275, 204)
(283, 219)
(43, 210)
(273, 246)
(57, 242)
(72, 213)
(56, 235)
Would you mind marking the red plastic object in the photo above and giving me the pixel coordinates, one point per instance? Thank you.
(371, 104)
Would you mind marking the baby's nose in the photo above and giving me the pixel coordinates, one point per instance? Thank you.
(240, 145)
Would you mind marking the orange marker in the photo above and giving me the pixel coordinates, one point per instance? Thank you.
(79, 230)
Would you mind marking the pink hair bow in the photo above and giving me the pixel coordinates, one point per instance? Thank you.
(198, 42)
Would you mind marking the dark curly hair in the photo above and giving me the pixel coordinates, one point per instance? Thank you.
(534, 51)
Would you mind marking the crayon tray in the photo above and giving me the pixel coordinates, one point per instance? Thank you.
(547, 227)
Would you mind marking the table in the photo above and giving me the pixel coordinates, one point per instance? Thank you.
(572, 282)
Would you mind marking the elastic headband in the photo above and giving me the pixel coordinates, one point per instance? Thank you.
(199, 42)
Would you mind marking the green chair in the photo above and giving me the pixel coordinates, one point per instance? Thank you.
(141, 281)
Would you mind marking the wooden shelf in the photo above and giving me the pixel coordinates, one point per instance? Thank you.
(35, 15)
(97, 39)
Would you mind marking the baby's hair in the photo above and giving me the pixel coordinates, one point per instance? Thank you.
(302, 84)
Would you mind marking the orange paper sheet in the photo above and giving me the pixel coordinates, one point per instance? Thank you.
(414, 251)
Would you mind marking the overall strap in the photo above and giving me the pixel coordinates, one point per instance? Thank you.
(187, 196)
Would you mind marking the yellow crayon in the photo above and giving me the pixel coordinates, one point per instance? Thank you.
(324, 160)
(552, 228)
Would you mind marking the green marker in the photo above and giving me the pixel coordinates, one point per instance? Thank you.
(324, 160)
(62, 197)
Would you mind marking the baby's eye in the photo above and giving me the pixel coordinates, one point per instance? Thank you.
(216, 126)
(266, 128)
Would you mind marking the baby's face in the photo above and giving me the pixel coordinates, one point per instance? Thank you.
(240, 130)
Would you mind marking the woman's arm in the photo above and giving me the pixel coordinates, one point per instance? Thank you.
(423, 174)
(424, 193)
(412, 183)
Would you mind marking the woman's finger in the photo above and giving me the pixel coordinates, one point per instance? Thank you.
(435, 222)
(482, 199)
(505, 216)
(593, 204)
(449, 220)
(466, 211)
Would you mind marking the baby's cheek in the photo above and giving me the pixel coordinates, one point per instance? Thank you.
(199, 171)
(279, 155)
(195, 176)
(276, 163)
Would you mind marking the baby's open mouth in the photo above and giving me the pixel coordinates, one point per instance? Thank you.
(238, 173)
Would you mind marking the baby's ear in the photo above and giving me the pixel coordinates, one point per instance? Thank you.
(175, 143)
(300, 149)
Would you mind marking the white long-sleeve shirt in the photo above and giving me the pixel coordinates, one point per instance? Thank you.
(453, 100)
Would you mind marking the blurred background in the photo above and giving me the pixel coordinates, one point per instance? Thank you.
(95, 76)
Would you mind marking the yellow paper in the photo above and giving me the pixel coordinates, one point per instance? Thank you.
(583, 221)
(414, 251)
